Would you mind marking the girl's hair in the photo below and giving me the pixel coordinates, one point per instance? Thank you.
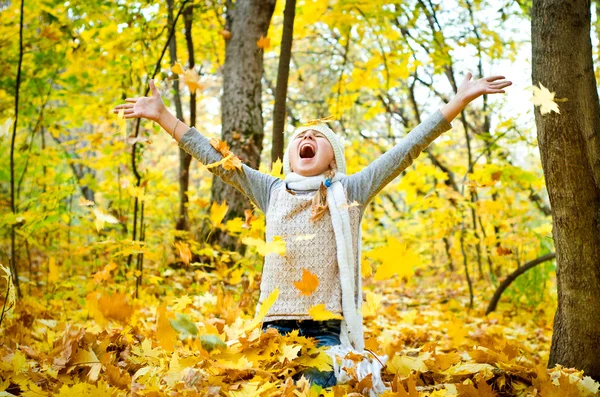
(319, 201)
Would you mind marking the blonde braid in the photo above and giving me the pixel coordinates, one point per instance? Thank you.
(319, 201)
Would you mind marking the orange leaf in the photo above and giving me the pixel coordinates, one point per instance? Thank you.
(177, 69)
(226, 34)
(192, 79)
(263, 42)
(249, 218)
(308, 284)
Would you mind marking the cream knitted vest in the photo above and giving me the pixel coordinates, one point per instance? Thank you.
(309, 245)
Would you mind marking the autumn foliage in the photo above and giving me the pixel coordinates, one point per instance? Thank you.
(436, 241)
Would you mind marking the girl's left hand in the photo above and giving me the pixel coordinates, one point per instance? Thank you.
(472, 89)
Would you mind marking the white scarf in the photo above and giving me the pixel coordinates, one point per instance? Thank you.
(352, 334)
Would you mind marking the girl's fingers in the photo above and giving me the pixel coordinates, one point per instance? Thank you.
(131, 99)
(153, 88)
(124, 106)
(494, 78)
(130, 116)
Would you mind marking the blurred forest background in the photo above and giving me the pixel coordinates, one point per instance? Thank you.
(109, 230)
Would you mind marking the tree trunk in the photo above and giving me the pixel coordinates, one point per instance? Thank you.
(283, 72)
(184, 157)
(241, 107)
(569, 145)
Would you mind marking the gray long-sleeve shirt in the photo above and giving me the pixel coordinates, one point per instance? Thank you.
(360, 187)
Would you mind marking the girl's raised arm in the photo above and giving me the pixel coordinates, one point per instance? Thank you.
(364, 185)
(254, 184)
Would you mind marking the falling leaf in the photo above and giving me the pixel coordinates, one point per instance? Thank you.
(184, 325)
(225, 33)
(192, 79)
(308, 284)
(277, 246)
(543, 98)
(263, 309)
(211, 342)
(396, 260)
(320, 313)
(230, 161)
(276, 168)
(352, 204)
(327, 119)
(4, 127)
(305, 237)
(84, 202)
(220, 162)
(185, 253)
(102, 218)
(263, 42)
(217, 213)
(250, 217)
(177, 68)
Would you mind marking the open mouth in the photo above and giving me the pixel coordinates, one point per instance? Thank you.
(307, 151)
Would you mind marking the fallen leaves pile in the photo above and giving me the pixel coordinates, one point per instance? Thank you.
(192, 333)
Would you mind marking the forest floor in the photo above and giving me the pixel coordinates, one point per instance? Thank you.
(193, 333)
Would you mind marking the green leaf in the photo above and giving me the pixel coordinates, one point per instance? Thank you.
(210, 342)
(184, 325)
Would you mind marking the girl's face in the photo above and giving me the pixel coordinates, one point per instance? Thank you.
(310, 153)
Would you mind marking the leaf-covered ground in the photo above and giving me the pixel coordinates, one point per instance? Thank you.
(192, 333)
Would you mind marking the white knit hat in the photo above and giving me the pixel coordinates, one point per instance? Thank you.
(334, 140)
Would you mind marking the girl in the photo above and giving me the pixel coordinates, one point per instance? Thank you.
(314, 209)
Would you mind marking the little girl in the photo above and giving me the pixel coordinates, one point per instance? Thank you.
(314, 210)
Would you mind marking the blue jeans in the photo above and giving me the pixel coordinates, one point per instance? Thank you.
(327, 333)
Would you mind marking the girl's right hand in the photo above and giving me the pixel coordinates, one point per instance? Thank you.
(151, 108)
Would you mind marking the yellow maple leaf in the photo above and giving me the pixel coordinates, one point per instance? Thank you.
(233, 162)
(277, 246)
(192, 79)
(276, 168)
(263, 309)
(327, 119)
(319, 313)
(288, 352)
(396, 260)
(543, 98)
(177, 69)
(263, 42)
(185, 253)
(217, 213)
(229, 161)
(308, 284)
(179, 304)
(371, 307)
